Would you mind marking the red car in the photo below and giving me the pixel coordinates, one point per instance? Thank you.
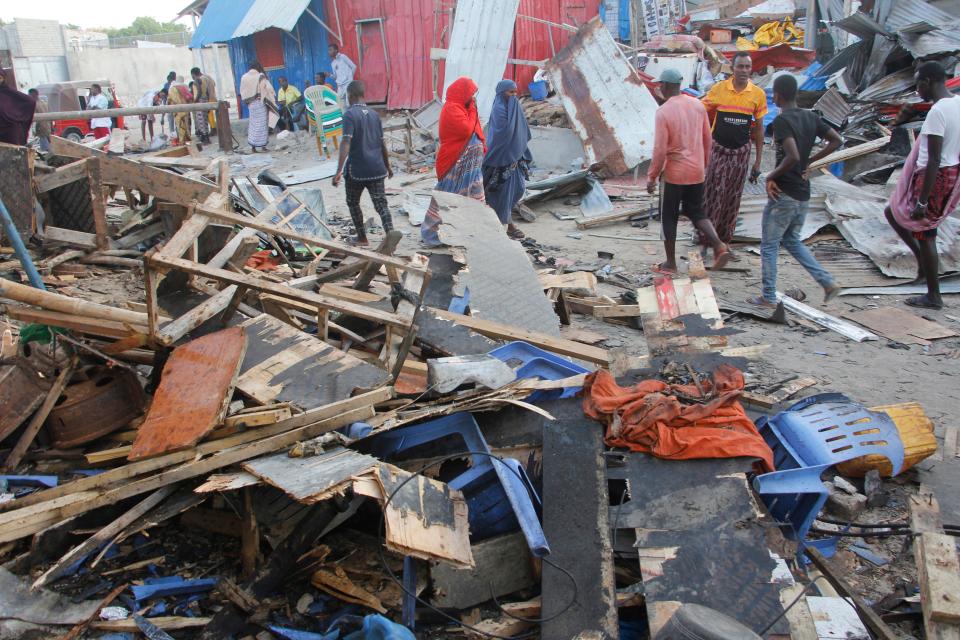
(72, 96)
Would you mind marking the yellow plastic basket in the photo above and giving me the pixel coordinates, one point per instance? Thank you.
(916, 432)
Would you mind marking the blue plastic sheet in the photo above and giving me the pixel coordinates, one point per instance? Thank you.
(376, 627)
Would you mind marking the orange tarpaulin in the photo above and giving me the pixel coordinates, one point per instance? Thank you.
(649, 417)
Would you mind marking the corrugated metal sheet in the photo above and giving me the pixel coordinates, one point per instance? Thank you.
(882, 48)
(480, 45)
(833, 107)
(219, 21)
(889, 86)
(861, 25)
(608, 104)
(842, 59)
(928, 44)
(908, 12)
(282, 14)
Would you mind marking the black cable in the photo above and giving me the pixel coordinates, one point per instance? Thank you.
(381, 533)
(877, 525)
(540, 620)
(863, 534)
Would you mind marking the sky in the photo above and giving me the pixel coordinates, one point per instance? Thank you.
(94, 13)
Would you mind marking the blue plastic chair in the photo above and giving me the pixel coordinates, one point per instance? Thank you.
(533, 362)
(811, 436)
(499, 494)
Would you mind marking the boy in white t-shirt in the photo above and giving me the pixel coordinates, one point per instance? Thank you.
(929, 187)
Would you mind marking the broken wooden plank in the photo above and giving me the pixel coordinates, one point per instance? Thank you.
(61, 176)
(85, 325)
(283, 364)
(67, 304)
(617, 311)
(167, 623)
(195, 389)
(311, 479)
(900, 325)
(69, 236)
(599, 221)
(583, 280)
(575, 521)
(97, 203)
(501, 331)
(176, 329)
(503, 566)
(103, 536)
(938, 570)
(844, 328)
(851, 152)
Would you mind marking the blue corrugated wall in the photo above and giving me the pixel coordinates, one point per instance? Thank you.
(301, 66)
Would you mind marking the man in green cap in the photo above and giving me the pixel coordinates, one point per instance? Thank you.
(681, 150)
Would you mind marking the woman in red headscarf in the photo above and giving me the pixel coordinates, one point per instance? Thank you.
(460, 157)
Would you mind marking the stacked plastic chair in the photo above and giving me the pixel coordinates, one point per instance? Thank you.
(324, 113)
(807, 439)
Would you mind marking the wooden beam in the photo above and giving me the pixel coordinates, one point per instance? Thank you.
(176, 329)
(167, 623)
(97, 204)
(331, 245)
(69, 236)
(62, 176)
(83, 324)
(115, 476)
(283, 291)
(501, 331)
(66, 304)
(851, 152)
(938, 570)
(103, 536)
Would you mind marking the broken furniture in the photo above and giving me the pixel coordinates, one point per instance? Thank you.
(498, 491)
(113, 395)
(532, 362)
(808, 438)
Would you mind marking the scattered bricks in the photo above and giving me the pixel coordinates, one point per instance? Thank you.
(845, 506)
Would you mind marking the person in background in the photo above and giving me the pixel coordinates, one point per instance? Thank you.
(171, 77)
(322, 79)
(180, 94)
(343, 70)
(204, 90)
(147, 120)
(826, 48)
(506, 163)
(363, 154)
(736, 108)
(95, 101)
(291, 101)
(795, 131)
(41, 129)
(681, 148)
(256, 92)
(928, 190)
(460, 156)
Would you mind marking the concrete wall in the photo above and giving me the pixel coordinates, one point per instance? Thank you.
(136, 71)
(35, 38)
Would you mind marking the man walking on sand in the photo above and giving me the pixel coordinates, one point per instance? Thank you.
(794, 132)
(929, 188)
(363, 155)
(680, 152)
(736, 108)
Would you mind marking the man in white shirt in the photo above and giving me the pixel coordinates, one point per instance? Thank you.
(929, 187)
(343, 70)
(96, 100)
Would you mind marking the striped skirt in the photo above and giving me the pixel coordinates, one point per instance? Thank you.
(465, 179)
(258, 131)
(723, 187)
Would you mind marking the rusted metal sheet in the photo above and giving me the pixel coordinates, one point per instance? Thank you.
(195, 389)
(480, 46)
(22, 390)
(609, 106)
(833, 107)
(114, 396)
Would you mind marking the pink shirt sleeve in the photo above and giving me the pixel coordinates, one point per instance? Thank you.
(707, 139)
(659, 148)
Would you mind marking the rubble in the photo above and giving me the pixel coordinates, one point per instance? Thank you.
(219, 417)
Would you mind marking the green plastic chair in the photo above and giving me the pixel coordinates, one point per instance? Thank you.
(325, 115)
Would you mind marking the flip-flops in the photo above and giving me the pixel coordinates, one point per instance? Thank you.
(922, 302)
(720, 261)
(515, 234)
(657, 268)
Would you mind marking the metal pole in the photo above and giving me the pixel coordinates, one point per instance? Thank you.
(125, 111)
(18, 247)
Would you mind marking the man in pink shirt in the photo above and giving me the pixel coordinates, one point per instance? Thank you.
(681, 150)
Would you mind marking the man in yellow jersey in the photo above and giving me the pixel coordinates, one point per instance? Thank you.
(736, 108)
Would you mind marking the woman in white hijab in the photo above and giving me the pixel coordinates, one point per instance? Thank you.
(258, 94)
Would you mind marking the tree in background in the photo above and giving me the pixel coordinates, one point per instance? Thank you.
(144, 26)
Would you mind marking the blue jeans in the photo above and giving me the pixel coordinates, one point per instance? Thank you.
(783, 220)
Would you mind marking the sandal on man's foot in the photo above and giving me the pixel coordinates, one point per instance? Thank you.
(664, 271)
(515, 234)
(831, 292)
(923, 302)
(759, 301)
(721, 260)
